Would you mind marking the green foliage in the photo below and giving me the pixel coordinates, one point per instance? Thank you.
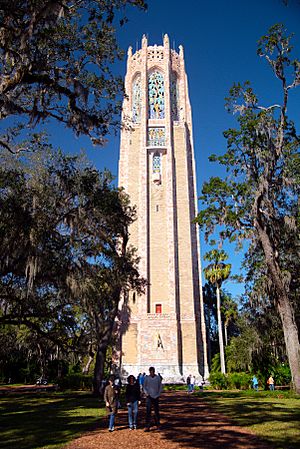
(243, 348)
(282, 374)
(258, 199)
(218, 381)
(240, 381)
(217, 271)
(215, 364)
(64, 258)
(76, 381)
(55, 61)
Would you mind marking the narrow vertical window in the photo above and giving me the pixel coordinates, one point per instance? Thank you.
(156, 168)
(156, 163)
(156, 96)
(136, 100)
(174, 97)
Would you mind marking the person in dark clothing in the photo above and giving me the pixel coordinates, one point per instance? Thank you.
(111, 397)
(133, 399)
(152, 389)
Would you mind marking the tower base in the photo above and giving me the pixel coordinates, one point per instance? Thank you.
(169, 373)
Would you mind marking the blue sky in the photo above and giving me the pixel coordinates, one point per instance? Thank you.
(219, 39)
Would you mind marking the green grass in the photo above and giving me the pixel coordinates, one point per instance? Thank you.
(274, 416)
(44, 420)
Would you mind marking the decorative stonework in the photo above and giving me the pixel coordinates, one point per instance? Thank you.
(156, 137)
(157, 169)
(155, 53)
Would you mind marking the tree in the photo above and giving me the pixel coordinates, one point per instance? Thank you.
(230, 313)
(55, 59)
(259, 199)
(64, 262)
(216, 273)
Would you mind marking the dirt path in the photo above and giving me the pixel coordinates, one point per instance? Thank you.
(187, 422)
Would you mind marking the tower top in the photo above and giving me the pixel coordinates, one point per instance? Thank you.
(166, 44)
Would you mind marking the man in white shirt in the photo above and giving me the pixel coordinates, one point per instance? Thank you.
(152, 389)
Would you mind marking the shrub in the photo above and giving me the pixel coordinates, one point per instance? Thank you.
(76, 381)
(241, 381)
(282, 375)
(218, 381)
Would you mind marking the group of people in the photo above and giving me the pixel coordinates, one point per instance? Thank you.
(270, 383)
(150, 386)
(191, 381)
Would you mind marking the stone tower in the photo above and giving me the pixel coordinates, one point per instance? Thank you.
(166, 327)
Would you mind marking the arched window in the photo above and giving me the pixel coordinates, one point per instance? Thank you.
(136, 100)
(174, 97)
(156, 94)
(156, 163)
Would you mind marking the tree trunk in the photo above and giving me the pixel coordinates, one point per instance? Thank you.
(99, 369)
(225, 333)
(208, 339)
(285, 308)
(204, 337)
(87, 366)
(221, 344)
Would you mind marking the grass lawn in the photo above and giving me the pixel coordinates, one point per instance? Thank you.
(46, 420)
(274, 416)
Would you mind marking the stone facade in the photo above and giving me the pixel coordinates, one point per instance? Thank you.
(165, 326)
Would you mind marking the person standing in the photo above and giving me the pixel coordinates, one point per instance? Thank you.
(193, 380)
(152, 389)
(188, 383)
(271, 382)
(111, 397)
(133, 399)
(255, 383)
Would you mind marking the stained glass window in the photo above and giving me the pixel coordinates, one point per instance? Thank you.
(156, 137)
(156, 92)
(174, 97)
(136, 100)
(156, 163)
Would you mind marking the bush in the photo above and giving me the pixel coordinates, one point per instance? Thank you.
(282, 375)
(241, 381)
(218, 381)
(76, 381)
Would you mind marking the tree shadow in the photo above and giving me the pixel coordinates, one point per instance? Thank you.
(191, 422)
(35, 421)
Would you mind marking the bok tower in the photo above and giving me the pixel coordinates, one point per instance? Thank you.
(166, 326)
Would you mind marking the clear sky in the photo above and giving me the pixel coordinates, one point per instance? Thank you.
(219, 39)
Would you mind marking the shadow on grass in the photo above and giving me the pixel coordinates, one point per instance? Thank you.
(46, 420)
(273, 415)
(191, 423)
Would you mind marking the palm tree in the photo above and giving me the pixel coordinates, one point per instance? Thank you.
(230, 312)
(216, 273)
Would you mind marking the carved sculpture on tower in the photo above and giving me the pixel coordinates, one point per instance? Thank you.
(157, 169)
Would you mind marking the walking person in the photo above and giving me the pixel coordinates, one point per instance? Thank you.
(271, 383)
(111, 397)
(188, 383)
(193, 380)
(133, 400)
(255, 383)
(152, 389)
